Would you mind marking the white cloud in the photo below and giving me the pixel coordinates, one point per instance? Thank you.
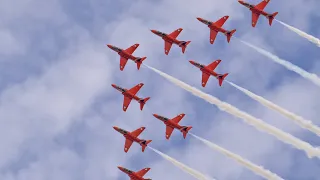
(75, 89)
(9, 45)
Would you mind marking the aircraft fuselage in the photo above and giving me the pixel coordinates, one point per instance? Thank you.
(166, 37)
(168, 121)
(126, 93)
(204, 69)
(130, 173)
(123, 53)
(212, 26)
(128, 135)
(253, 9)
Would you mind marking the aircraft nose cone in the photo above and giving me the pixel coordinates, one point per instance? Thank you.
(110, 46)
(152, 30)
(113, 85)
(241, 2)
(116, 128)
(200, 19)
(191, 62)
(155, 115)
(119, 167)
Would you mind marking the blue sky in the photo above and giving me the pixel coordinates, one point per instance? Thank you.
(57, 106)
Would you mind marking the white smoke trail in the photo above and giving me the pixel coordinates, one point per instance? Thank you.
(310, 38)
(297, 119)
(255, 122)
(183, 167)
(310, 76)
(259, 170)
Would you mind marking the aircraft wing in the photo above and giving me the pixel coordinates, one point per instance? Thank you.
(212, 66)
(132, 48)
(255, 18)
(213, 35)
(126, 103)
(137, 132)
(178, 118)
(175, 33)
(262, 5)
(136, 88)
(142, 172)
(221, 21)
(123, 62)
(205, 78)
(167, 47)
(169, 131)
(127, 145)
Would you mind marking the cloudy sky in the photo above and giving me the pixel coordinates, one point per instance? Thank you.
(57, 106)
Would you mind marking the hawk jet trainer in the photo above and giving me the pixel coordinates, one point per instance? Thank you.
(208, 71)
(172, 124)
(133, 137)
(258, 10)
(131, 94)
(126, 54)
(170, 39)
(135, 175)
(216, 27)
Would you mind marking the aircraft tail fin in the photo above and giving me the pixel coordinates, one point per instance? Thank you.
(184, 45)
(229, 34)
(271, 17)
(139, 62)
(144, 144)
(221, 78)
(143, 102)
(185, 130)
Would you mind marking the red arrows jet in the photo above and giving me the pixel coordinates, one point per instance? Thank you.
(135, 175)
(172, 124)
(258, 10)
(133, 137)
(216, 27)
(209, 70)
(127, 54)
(170, 39)
(131, 94)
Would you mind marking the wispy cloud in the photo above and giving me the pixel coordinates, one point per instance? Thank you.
(58, 109)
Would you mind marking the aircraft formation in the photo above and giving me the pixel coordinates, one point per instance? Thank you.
(207, 71)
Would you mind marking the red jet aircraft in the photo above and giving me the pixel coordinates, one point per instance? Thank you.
(172, 124)
(216, 27)
(258, 10)
(135, 175)
(209, 70)
(127, 54)
(131, 94)
(133, 137)
(170, 39)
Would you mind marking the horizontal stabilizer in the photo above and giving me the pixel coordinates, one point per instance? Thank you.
(144, 144)
(143, 102)
(185, 130)
(229, 34)
(221, 78)
(184, 45)
(271, 17)
(139, 62)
